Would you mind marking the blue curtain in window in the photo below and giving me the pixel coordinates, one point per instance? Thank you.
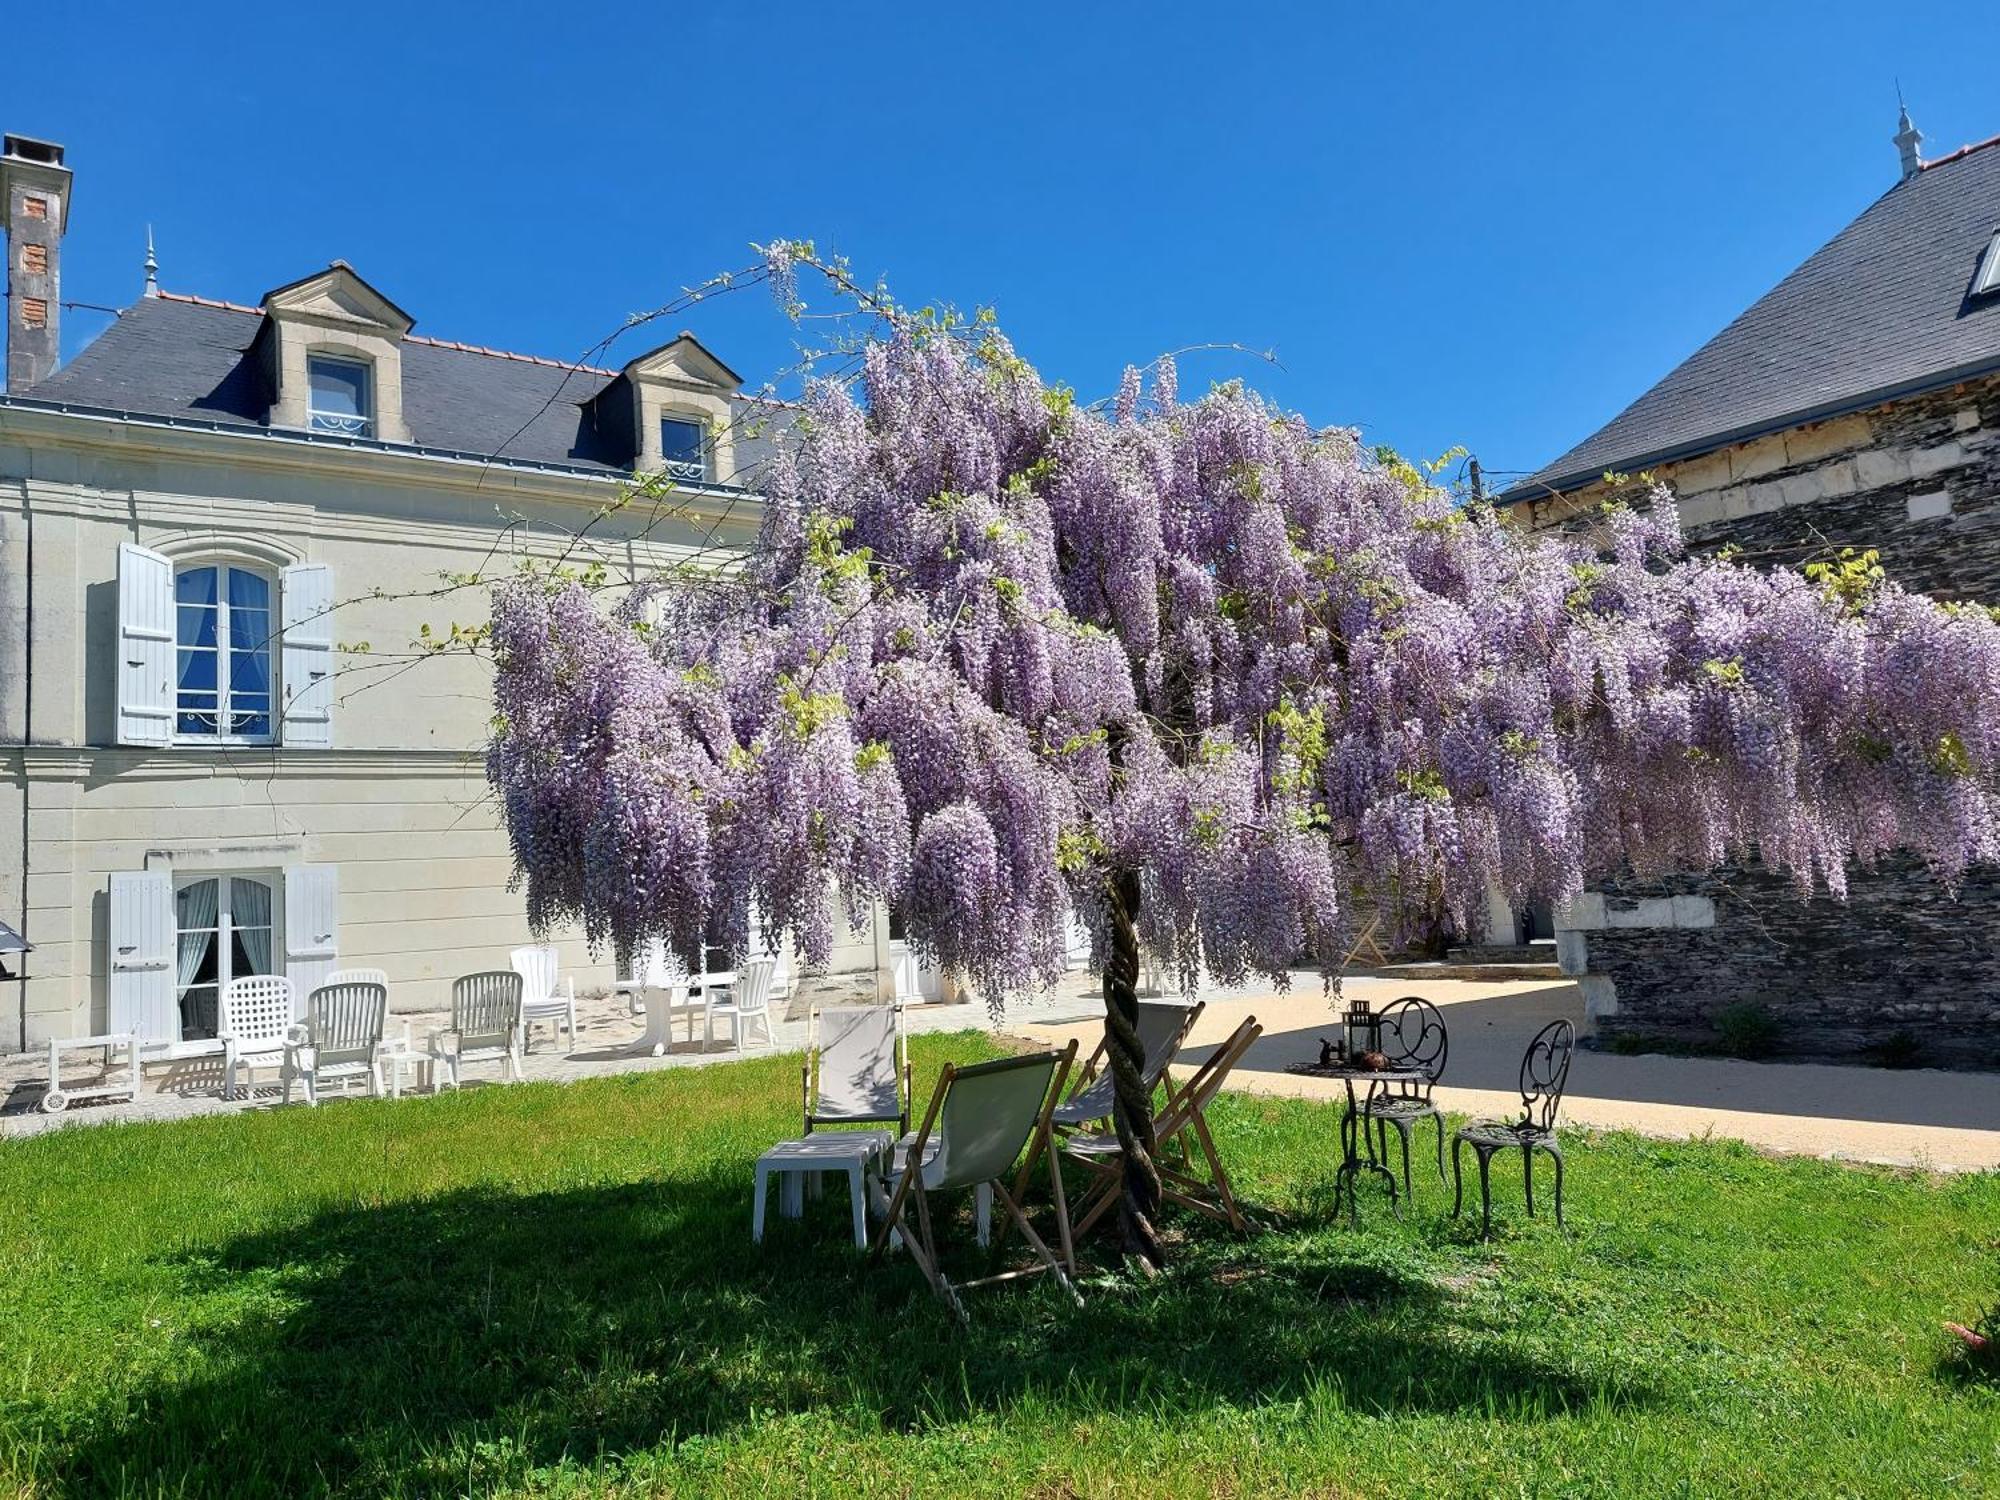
(249, 653)
(195, 635)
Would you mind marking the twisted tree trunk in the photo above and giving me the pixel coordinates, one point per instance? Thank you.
(1132, 1113)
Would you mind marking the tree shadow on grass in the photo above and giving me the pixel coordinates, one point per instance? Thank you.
(461, 1340)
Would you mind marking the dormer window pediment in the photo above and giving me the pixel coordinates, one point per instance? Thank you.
(682, 413)
(336, 356)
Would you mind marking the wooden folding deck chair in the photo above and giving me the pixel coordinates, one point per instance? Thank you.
(1184, 1112)
(1163, 1027)
(978, 1121)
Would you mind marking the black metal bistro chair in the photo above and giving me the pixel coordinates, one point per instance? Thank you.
(1544, 1072)
(1411, 1034)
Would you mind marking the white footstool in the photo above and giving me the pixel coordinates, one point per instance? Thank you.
(858, 1153)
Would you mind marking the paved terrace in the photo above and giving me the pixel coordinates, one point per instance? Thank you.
(1918, 1117)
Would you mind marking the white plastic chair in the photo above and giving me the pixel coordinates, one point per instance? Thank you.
(542, 998)
(339, 1039)
(255, 1017)
(485, 1026)
(359, 976)
(744, 1004)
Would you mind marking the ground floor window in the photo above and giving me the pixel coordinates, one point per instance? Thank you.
(223, 926)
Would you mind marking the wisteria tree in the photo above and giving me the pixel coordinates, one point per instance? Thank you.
(1209, 677)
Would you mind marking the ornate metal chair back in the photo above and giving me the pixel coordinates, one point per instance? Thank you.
(1413, 1037)
(1545, 1073)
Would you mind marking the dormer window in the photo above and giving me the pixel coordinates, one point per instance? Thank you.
(341, 399)
(684, 448)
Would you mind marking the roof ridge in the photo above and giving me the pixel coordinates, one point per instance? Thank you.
(408, 338)
(1963, 151)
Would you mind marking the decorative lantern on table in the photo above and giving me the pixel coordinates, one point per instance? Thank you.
(1363, 1032)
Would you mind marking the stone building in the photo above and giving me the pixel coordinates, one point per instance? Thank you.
(222, 529)
(1857, 404)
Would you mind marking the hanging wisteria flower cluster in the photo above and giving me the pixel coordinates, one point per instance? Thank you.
(994, 645)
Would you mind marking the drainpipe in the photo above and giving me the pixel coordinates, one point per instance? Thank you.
(27, 726)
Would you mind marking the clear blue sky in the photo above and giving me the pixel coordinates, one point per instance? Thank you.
(1468, 223)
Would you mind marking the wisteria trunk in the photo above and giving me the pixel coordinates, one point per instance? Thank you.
(1132, 1112)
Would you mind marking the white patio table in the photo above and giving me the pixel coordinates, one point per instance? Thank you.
(658, 1039)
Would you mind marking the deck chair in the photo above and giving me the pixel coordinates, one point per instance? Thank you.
(857, 1069)
(1185, 1112)
(338, 1040)
(978, 1121)
(256, 1014)
(485, 1026)
(1163, 1027)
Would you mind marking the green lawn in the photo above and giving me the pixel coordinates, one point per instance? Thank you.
(551, 1290)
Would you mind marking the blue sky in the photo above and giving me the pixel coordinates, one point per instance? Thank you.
(1478, 224)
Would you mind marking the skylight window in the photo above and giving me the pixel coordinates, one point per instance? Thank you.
(1988, 279)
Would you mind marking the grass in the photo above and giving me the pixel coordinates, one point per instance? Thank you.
(551, 1290)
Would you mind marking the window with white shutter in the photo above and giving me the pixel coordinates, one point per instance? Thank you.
(141, 989)
(145, 646)
(312, 927)
(308, 655)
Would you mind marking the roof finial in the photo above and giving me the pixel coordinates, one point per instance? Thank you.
(1907, 137)
(152, 266)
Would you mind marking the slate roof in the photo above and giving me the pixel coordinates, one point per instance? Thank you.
(189, 358)
(1880, 311)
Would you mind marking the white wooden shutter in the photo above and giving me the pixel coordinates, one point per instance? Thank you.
(145, 646)
(307, 668)
(312, 931)
(142, 994)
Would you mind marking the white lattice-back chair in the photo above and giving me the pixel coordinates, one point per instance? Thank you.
(485, 1025)
(545, 996)
(340, 1039)
(744, 1005)
(255, 1017)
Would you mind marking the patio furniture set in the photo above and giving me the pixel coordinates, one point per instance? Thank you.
(985, 1119)
(340, 1034)
(1391, 1061)
(985, 1129)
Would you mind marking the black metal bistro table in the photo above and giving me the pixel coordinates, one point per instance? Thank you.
(1354, 1136)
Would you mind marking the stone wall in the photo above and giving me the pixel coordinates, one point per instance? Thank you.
(1899, 954)
(1919, 481)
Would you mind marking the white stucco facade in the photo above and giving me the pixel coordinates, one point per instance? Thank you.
(387, 793)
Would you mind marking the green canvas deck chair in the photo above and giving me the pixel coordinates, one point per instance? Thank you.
(1163, 1029)
(1184, 1112)
(980, 1118)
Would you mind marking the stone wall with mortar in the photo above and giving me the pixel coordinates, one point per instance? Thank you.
(1919, 481)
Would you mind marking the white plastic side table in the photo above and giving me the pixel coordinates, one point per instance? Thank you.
(58, 1098)
(855, 1152)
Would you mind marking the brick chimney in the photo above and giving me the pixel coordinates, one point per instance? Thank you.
(34, 209)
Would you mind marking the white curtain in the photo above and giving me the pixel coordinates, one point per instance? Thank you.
(194, 916)
(250, 919)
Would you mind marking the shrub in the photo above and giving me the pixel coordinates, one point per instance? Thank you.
(1747, 1029)
(1900, 1049)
